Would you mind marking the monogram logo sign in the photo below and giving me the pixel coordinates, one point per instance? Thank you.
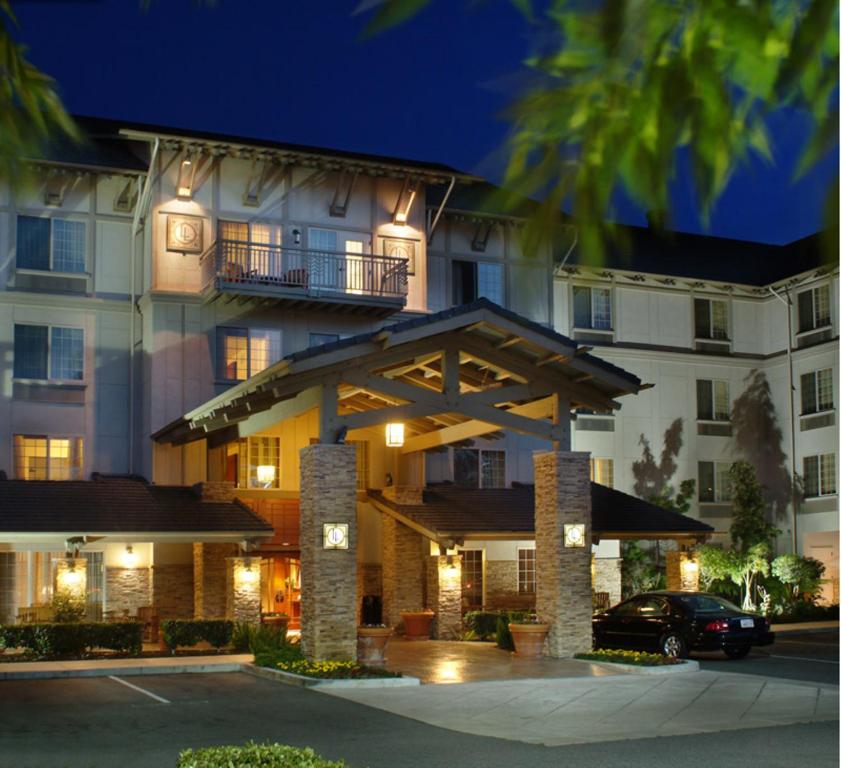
(184, 233)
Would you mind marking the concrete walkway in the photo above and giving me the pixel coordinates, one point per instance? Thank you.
(556, 712)
(806, 626)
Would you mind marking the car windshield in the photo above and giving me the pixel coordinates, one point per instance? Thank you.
(709, 604)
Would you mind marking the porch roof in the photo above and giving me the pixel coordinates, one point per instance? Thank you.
(457, 513)
(464, 372)
(107, 505)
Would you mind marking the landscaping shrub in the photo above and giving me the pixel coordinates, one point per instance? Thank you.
(481, 623)
(186, 632)
(806, 611)
(256, 638)
(636, 658)
(289, 658)
(74, 639)
(503, 634)
(251, 755)
(67, 607)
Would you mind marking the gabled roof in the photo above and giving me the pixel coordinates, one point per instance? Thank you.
(494, 343)
(120, 505)
(454, 512)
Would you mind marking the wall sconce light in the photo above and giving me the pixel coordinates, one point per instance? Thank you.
(574, 535)
(451, 563)
(394, 434)
(186, 176)
(71, 577)
(404, 202)
(266, 475)
(248, 574)
(296, 236)
(130, 557)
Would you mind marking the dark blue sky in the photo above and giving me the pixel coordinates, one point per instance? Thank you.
(297, 71)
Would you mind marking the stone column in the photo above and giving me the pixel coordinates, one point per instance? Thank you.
(682, 572)
(127, 589)
(71, 576)
(404, 570)
(607, 577)
(443, 580)
(243, 589)
(564, 581)
(328, 576)
(209, 579)
(173, 593)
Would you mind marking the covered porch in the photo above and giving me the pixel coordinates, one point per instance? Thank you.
(337, 427)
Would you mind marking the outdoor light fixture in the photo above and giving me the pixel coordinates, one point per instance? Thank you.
(265, 475)
(248, 574)
(574, 535)
(130, 556)
(186, 176)
(72, 577)
(404, 202)
(394, 434)
(451, 563)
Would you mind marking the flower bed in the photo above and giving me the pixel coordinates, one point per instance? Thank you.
(634, 658)
(290, 659)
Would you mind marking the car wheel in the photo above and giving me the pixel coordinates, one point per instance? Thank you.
(673, 645)
(737, 653)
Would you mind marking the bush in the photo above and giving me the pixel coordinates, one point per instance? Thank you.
(800, 575)
(74, 639)
(635, 658)
(254, 638)
(503, 634)
(481, 623)
(186, 632)
(806, 611)
(67, 607)
(264, 755)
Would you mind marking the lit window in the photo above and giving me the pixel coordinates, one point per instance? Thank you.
(258, 452)
(816, 391)
(711, 319)
(56, 245)
(44, 352)
(474, 468)
(251, 249)
(526, 572)
(244, 352)
(323, 240)
(713, 400)
(601, 471)
(591, 308)
(48, 458)
(813, 308)
(472, 578)
(713, 482)
(819, 475)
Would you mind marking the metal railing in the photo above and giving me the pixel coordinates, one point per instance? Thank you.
(228, 263)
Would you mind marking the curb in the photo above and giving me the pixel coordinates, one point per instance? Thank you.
(688, 666)
(175, 669)
(290, 678)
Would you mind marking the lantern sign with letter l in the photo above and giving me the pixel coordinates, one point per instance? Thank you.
(336, 536)
(574, 535)
(394, 434)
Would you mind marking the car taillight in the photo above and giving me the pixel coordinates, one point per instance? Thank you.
(719, 625)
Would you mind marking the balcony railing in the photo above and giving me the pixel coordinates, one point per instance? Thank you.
(257, 268)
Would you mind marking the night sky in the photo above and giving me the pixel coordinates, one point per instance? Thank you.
(298, 71)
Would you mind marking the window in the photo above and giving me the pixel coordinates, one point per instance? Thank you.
(472, 578)
(39, 457)
(601, 471)
(591, 308)
(244, 352)
(472, 279)
(816, 391)
(526, 571)
(813, 308)
(255, 455)
(711, 319)
(819, 475)
(317, 339)
(45, 352)
(713, 400)
(713, 482)
(474, 468)
(51, 244)
(323, 240)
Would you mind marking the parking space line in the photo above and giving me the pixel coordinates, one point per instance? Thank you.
(802, 658)
(139, 689)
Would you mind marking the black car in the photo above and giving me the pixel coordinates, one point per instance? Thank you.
(675, 623)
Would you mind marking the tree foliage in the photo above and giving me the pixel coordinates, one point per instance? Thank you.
(625, 90)
(800, 575)
(748, 526)
(740, 567)
(31, 112)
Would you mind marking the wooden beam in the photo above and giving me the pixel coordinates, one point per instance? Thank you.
(328, 417)
(286, 409)
(508, 341)
(451, 368)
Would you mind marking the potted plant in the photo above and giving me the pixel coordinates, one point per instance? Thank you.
(371, 641)
(529, 635)
(416, 624)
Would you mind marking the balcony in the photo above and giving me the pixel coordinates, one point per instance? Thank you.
(304, 279)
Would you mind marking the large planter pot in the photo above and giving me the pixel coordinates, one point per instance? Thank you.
(528, 639)
(417, 624)
(370, 645)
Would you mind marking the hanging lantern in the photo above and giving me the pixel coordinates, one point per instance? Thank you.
(394, 434)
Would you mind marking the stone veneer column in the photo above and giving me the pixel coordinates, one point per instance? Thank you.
(682, 572)
(564, 581)
(443, 586)
(328, 576)
(127, 589)
(209, 579)
(243, 589)
(404, 570)
(173, 595)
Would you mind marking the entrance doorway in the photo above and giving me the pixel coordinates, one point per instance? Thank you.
(281, 587)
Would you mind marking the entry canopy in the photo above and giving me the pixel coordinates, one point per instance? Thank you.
(462, 373)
